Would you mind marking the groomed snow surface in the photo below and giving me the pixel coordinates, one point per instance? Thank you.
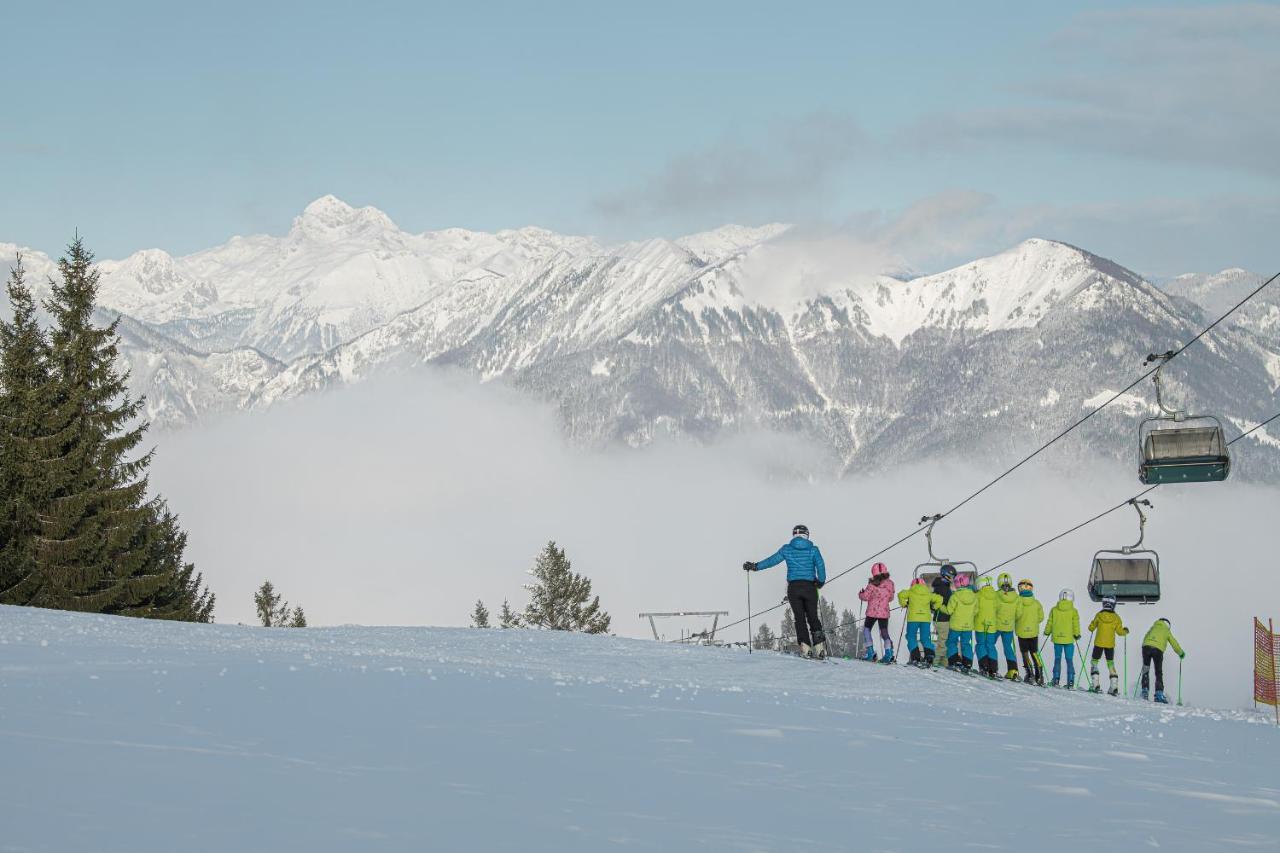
(121, 734)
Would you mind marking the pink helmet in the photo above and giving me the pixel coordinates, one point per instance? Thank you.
(962, 580)
(879, 569)
(918, 582)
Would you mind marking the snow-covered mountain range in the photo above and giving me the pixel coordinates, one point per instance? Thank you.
(638, 339)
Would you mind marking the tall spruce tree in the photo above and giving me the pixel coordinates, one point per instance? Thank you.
(76, 529)
(560, 596)
(480, 615)
(508, 618)
(93, 539)
(764, 638)
(787, 631)
(26, 399)
(274, 611)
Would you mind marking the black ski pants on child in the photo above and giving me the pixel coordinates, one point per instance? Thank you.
(1150, 655)
(803, 596)
(1030, 648)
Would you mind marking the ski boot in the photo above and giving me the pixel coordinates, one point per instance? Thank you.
(1040, 681)
(1071, 682)
(966, 665)
(914, 658)
(991, 671)
(928, 659)
(1054, 683)
(1012, 674)
(820, 650)
(870, 654)
(1161, 698)
(1145, 694)
(888, 656)
(1114, 688)
(806, 650)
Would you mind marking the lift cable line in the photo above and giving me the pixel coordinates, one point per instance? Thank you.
(1170, 356)
(1128, 501)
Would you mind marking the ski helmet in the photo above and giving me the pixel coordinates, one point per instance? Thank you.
(1027, 583)
(1005, 581)
(962, 581)
(878, 570)
(948, 571)
(1165, 621)
(984, 583)
(1109, 603)
(1066, 595)
(800, 530)
(917, 582)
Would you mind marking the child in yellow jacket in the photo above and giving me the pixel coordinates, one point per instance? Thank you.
(1108, 626)
(1063, 625)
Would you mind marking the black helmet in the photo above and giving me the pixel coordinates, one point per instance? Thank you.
(1165, 621)
(800, 530)
(948, 571)
(1109, 603)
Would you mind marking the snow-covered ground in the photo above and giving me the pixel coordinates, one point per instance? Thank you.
(121, 734)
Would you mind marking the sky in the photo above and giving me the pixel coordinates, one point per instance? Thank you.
(1145, 134)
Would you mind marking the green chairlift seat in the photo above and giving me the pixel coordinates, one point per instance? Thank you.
(1130, 574)
(1129, 578)
(1175, 447)
(1184, 454)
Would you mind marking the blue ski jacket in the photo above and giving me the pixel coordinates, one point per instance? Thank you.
(804, 561)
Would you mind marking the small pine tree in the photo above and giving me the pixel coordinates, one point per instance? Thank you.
(274, 611)
(827, 616)
(508, 618)
(559, 596)
(787, 633)
(480, 615)
(764, 638)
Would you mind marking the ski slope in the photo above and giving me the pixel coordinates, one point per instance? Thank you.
(130, 735)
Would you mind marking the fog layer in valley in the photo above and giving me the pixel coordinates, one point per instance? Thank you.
(403, 500)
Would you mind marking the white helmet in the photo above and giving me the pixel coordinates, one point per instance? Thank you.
(1066, 595)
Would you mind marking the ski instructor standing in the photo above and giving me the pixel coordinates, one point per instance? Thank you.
(806, 573)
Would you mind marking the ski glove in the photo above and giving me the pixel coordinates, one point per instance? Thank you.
(820, 584)
(749, 566)
(1181, 655)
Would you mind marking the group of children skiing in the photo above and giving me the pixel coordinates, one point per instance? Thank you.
(987, 619)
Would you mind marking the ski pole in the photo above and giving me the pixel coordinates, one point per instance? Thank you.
(1179, 681)
(1126, 666)
(1084, 667)
(750, 637)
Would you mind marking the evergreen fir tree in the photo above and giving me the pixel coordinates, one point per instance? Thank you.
(480, 615)
(787, 633)
(508, 618)
(847, 634)
(26, 400)
(183, 596)
(559, 596)
(764, 638)
(273, 610)
(93, 544)
(827, 616)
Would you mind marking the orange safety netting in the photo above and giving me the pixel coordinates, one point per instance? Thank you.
(1266, 652)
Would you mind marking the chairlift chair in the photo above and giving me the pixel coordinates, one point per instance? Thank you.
(1176, 447)
(932, 570)
(1130, 574)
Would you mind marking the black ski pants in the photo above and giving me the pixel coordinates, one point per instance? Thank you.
(1149, 656)
(1030, 648)
(803, 596)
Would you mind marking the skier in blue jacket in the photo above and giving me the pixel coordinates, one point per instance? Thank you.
(806, 573)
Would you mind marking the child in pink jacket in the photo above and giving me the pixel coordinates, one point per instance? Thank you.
(878, 594)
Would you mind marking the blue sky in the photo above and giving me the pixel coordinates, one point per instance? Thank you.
(1147, 134)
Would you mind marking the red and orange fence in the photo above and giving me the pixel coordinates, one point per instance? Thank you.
(1266, 651)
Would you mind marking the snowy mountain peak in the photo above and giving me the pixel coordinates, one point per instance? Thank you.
(330, 216)
(716, 245)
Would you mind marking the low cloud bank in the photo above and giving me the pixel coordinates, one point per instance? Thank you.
(403, 500)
